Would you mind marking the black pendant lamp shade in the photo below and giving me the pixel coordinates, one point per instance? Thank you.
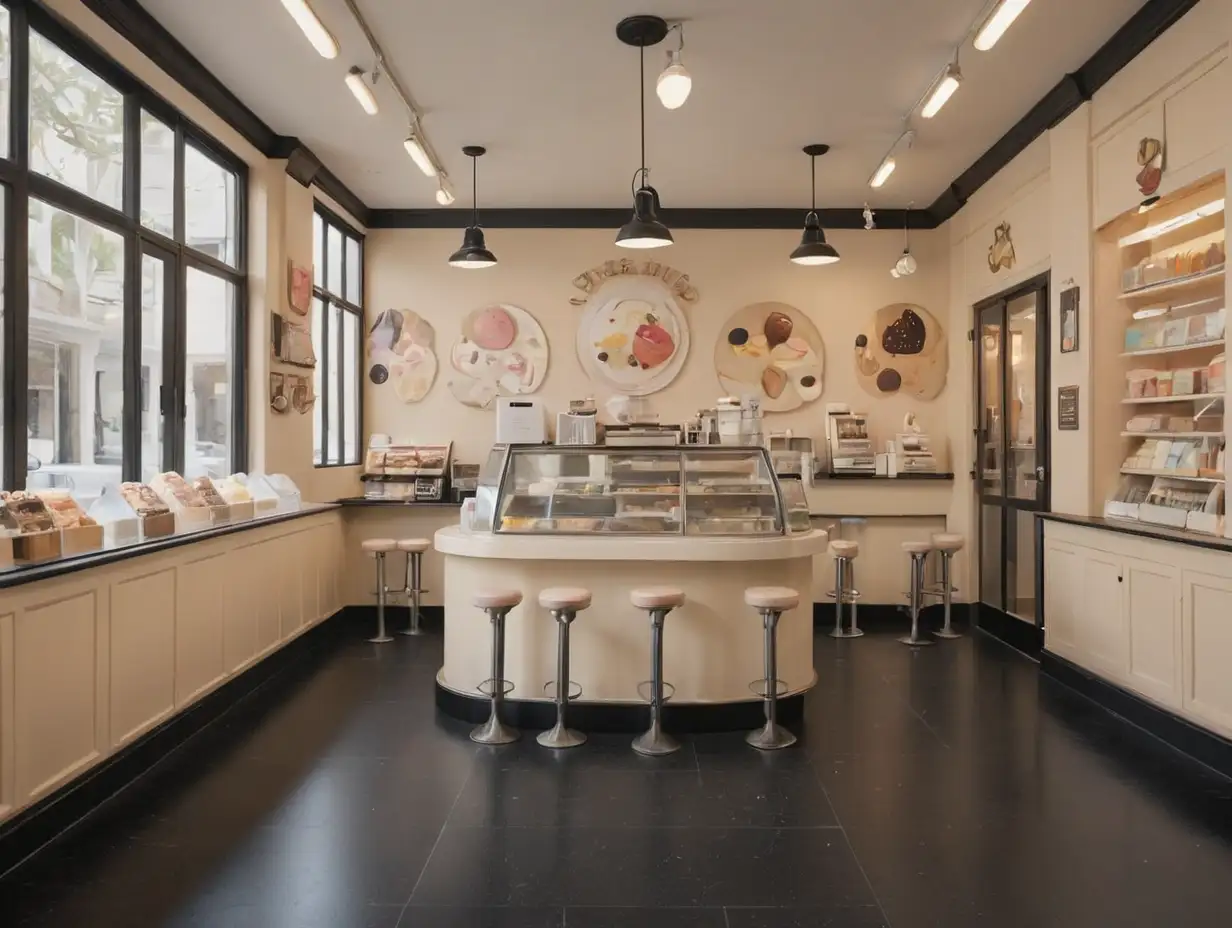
(813, 248)
(474, 251)
(644, 230)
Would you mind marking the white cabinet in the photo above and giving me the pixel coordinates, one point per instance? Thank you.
(1152, 616)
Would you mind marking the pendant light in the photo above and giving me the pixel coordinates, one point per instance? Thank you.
(813, 248)
(474, 252)
(644, 230)
(674, 81)
(906, 264)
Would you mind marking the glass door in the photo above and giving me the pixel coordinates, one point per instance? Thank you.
(1011, 362)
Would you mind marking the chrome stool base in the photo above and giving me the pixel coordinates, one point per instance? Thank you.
(946, 633)
(844, 592)
(918, 642)
(771, 737)
(414, 570)
(416, 631)
(847, 633)
(381, 639)
(655, 743)
(559, 737)
(494, 731)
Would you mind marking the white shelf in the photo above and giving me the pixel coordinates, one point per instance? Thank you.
(1176, 283)
(1172, 434)
(1143, 400)
(1173, 349)
(1135, 472)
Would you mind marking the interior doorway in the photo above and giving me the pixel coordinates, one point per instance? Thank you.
(1012, 463)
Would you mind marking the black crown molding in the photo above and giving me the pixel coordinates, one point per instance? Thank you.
(134, 23)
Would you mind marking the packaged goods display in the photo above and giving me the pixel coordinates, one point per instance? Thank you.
(34, 537)
(157, 519)
(80, 532)
(192, 513)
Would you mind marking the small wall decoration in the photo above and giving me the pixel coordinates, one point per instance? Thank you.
(633, 337)
(902, 351)
(301, 393)
(299, 287)
(1001, 251)
(590, 281)
(400, 349)
(772, 351)
(1151, 162)
(502, 352)
(290, 342)
(1069, 319)
(278, 395)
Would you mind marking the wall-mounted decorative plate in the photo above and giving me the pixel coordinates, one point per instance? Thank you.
(902, 350)
(502, 352)
(633, 337)
(772, 351)
(400, 352)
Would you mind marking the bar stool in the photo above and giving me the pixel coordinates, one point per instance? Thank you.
(564, 602)
(414, 549)
(947, 545)
(844, 554)
(919, 556)
(378, 548)
(496, 603)
(658, 601)
(771, 602)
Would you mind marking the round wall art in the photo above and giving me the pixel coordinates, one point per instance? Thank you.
(400, 352)
(633, 337)
(773, 351)
(502, 352)
(903, 351)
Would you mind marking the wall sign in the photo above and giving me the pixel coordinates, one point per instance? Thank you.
(1067, 408)
(676, 282)
(1069, 319)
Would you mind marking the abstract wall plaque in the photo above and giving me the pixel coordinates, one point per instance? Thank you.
(1151, 164)
(502, 352)
(299, 287)
(772, 351)
(902, 351)
(633, 337)
(1001, 251)
(400, 351)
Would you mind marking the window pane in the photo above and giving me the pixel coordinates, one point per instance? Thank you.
(334, 389)
(5, 479)
(157, 175)
(333, 260)
(210, 206)
(350, 386)
(5, 69)
(210, 329)
(76, 124)
(153, 294)
(352, 271)
(318, 250)
(318, 408)
(75, 389)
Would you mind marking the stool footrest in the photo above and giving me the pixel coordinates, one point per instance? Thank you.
(849, 596)
(669, 690)
(488, 687)
(758, 688)
(550, 689)
(936, 589)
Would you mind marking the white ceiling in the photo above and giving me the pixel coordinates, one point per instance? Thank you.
(552, 93)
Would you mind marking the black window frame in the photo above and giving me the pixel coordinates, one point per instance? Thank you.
(330, 354)
(22, 183)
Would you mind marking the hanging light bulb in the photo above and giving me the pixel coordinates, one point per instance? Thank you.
(363, 93)
(906, 264)
(813, 248)
(444, 192)
(644, 230)
(674, 81)
(474, 251)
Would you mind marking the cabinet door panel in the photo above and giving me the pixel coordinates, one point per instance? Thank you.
(1207, 647)
(1102, 632)
(1152, 601)
(1062, 594)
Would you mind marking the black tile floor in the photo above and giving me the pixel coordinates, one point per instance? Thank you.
(950, 787)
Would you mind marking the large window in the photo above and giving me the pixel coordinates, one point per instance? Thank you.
(123, 311)
(337, 338)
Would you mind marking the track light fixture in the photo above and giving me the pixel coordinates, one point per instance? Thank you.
(942, 90)
(999, 19)
(419, 154)
(644, 230)
(444, 192)
(813, 248)
(474, 251)
(889, 162)
(312, 28)
(674, 81)
(357, 81)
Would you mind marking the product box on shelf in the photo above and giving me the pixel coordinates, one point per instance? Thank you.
(289, 499)
(36, 538)
(81, 533)
(191, 511)
(220, 512)
(116, 517)
(233, 490)
(265, 499)
(155, 517)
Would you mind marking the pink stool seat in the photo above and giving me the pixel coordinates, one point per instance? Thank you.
(414, 545)
(771, 597)
(564, 597)
(657, 597)
(496, 599)
(378, 545)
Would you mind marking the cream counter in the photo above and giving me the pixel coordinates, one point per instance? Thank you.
(712, 645)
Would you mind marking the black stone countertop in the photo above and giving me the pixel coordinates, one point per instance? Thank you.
(1143, 530)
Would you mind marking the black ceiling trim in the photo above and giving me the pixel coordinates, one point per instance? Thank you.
(329, 183)
(1152, 20)
(597, 218)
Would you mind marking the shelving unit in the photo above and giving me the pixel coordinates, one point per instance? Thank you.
(1171, 475)
(1148, 400)
(1174, 285)
(1173, 349)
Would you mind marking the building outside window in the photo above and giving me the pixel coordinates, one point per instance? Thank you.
(337, 339)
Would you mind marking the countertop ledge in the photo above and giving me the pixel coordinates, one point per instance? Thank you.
(1143, 530)
(359, 501)
(21, 575)
(822, 477)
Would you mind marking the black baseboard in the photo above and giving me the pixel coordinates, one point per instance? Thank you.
(880, 617)
(33, 827)
(1202, 745)
(1019, 635)
(627, 718)
(431, 617)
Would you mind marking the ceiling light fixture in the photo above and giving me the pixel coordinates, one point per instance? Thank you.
(474, 251)
(310, 25)
(997, 22)
(941, 92)
(888, 163)
(644, 230)
(358, 83)
(444, 192)
(419, 154)
(674, 81)
(906, 264)
(813, 248)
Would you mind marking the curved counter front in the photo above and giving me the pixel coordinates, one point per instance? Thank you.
(712, 646)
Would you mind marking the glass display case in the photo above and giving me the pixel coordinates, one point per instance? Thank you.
(634, 491)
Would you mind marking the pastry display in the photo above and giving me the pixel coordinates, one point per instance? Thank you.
(35, 537)
(502, 352)
(156, 518)
(236, 495)
(772, 351)
(191, 511)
